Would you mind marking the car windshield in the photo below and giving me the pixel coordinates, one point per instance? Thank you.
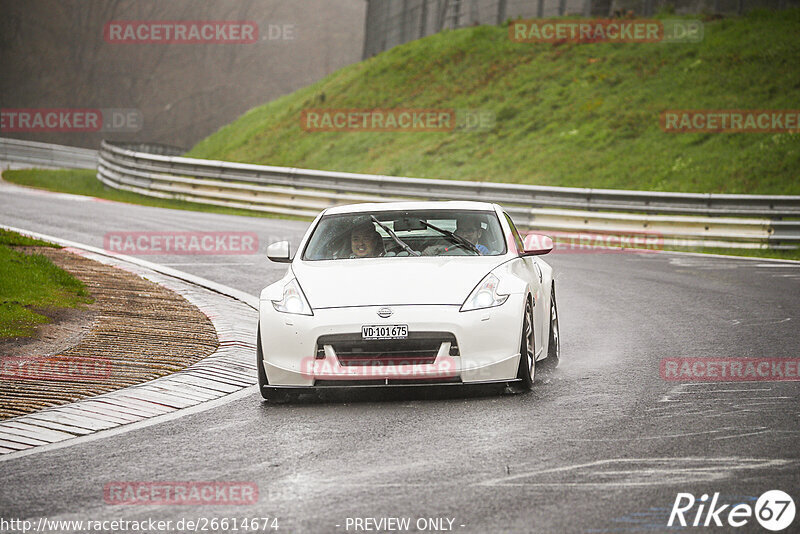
(406, 233)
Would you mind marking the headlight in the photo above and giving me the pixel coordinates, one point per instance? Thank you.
(484, 295)
(293, 300)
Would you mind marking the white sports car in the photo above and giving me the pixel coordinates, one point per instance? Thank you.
(408, 293)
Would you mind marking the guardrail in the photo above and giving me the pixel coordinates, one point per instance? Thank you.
(705, 220)
(534, 196)
(676, 219)
(47, 154)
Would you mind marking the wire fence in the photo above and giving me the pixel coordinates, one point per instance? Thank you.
(393, 22)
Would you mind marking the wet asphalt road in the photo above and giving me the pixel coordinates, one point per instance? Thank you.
(604, 444)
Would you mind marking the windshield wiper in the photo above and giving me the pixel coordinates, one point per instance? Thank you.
(396, 239)
(455, 237)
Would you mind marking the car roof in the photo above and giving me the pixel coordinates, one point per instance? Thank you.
(412, 205)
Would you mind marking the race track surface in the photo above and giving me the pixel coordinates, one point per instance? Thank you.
(603, 445)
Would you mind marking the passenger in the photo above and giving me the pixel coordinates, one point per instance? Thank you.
(366, 242)
(470, 229)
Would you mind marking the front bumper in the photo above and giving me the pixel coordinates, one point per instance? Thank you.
(488, 346)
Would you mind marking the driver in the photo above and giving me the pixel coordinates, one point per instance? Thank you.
(365, 241)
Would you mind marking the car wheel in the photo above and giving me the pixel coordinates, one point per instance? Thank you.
(527, 366)
(554, 343)
(272, 395)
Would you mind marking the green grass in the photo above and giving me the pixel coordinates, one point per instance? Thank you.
(85, 182)
(13, 239)
(31, 286)
(579, 115)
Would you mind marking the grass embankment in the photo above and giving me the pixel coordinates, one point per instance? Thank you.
(85, 182)
(568, 114)
(31, 286)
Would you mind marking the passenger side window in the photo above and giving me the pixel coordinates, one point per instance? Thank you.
(517, 239)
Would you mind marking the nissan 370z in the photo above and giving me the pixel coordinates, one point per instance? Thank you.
(408, 293)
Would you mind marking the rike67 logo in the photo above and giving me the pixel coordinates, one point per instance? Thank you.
(774, 511)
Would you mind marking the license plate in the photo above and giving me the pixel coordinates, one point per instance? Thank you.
(384, 331)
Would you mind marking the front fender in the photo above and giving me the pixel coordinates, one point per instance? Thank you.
(514, 277)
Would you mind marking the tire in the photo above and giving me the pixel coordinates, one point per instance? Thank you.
(267, 393)
(554, 341)
(526, 373)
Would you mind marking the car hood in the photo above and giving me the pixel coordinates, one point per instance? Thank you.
(392, 281)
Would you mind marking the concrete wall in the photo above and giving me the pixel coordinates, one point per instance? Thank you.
(53, 55)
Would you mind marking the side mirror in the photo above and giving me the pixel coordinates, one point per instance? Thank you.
(537, 244)
(279, 252)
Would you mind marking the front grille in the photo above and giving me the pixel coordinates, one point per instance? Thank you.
(418, 348)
